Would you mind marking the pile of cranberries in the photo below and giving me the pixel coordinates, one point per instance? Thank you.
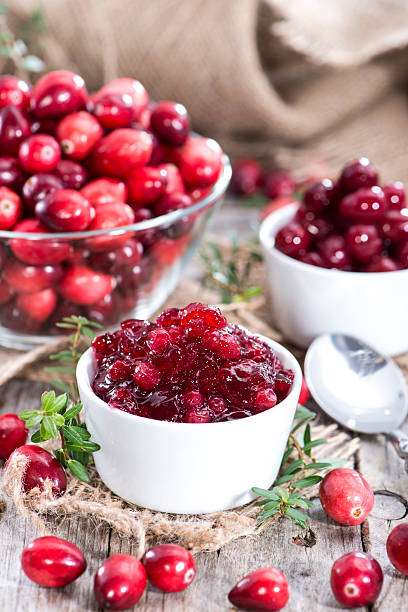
(190, 366)
(74, 162)
(352, 224)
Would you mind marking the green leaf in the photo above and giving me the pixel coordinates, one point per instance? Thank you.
(78, 470)
(304, 413)
(37, 437)
(62, 356)
(299, 518)
(284, 479)
(335, 462)
(287, 454)
(303, 503)
(69, 369)
(61, 403)
(34, 421)
(48, 428)
(79, 456)
(265, 493)
(308, 481)
(73, 411)
(89, 447)
(270, 505)
(47, 400)
(89, 332)
(28, 414)
(58, 419)
(307, 437)
(293, 467)
(82, 432)
(314, 443)
(66, 325)
(5, 52)
(318, 465)
(60, 457)
(60, 386)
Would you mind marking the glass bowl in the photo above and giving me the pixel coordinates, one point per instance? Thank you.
(104, 275)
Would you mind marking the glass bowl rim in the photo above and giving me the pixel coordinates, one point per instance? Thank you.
(217, 190)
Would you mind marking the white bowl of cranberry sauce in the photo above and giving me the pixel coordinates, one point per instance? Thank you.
(103, 199)
(190, 411)
(337, 262)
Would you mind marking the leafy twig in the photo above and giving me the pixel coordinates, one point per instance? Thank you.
(285, 498)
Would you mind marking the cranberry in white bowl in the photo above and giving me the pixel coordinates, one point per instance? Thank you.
(190, 412)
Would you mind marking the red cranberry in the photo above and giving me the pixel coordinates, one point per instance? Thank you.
(197, 415)
(38, 306)
(13, 433)
(365, 205)
(73, 175)
(78, 133)
(317, 197)
(346, 496)
(65, 210)
(109, 216)
(192, 399)
(395, 225)
(39, 153)
(52, 562)
(159, 342)
(292, 239)
(105, 311)
(382, 263)
(132, 88)
(402, 253)
(130, 254)
(304, 393)
(198, 193)
(105, 191)
(358, 174)
(38, 252)
(11, 208)
(318, 227)
(120, 152)
(14, 128)
(41, 466)
(246, 177)
(146, 185)
(58, 93)
(313, 259)
(363, 242)
(13, 318)
(278, 183)
(224, 344)
(44, 126)
(120, 371)
(265, 399)
(356, 580)
(11, 174)
(200, 161)
(81, 285)
(397, 548)
(146, 376)
(395, 195)
(28, 279)
(14, 92)
(119, 582)
(172, 201)
(37, 187)
(334, 252)
(113, 110)
(265, 589)
(171, 122)
(175, 183)
(169, 567)
(6, 292)
(217, 404)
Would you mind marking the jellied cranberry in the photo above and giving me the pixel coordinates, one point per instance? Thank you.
(278, 183)
(169, 567)
(246, 177)
(38, 252)
(264, 589)
(72, 174)
(292, 239)
(356, 580)
(58, 93)
(41, 466)
(78, 133)
(37, 187)
(11, 208)
(120, 582)
(52, 562)
(65, 210)
(14, 92)
(39, 153)
(397, 547)
(14, 128)
(363, 242)
(13, 433)
(358, 174)
(346, 496)
(120, 152)
(171, 122)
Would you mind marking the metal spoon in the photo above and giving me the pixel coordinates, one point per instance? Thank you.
(358, 387)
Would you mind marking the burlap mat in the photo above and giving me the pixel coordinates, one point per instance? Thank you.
(289, 81)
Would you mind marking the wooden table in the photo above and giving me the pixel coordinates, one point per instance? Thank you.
(308, 569)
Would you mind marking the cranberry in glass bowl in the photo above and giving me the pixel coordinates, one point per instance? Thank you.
(87, 216)
(158, 396)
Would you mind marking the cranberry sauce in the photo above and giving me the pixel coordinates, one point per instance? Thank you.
(190, 366)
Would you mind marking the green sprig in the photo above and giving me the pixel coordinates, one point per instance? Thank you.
(285, 498)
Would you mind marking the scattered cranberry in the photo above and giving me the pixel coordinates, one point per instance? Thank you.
(72, 175)
(120, 152)
(14, 128)
(113, 110)
(264, 589)
(146, 185)
(78, 133)
(200, 161)
(14, 92)
(356, 579)
(81, 285)
(397, 548)
(37, 187)
(292, 239)
(39, 153)
(246, 177)
(58, 93)
(11, 208)
(170, 121)
(105, 191)
(13, 433)
(25, 278)
(41, 466)
(119, 582)
(358, 174)
(65, 210)
(38, 252)
(52, 562)
(39, 305)
(278, 183)
(346, 496)
(304, 392)
(169, 567)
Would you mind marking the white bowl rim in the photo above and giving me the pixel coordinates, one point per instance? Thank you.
(84, 384)
(267, 239)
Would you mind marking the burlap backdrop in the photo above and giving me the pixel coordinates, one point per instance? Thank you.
(288, 80)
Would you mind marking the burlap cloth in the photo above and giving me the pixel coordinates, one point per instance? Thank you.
(286, 80)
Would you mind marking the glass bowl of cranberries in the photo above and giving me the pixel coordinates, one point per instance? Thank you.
(338, 261)
(190, 411)
(103, 199)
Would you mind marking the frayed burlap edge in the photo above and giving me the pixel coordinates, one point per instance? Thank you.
(206, 532)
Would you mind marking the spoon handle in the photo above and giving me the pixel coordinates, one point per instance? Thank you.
(400, 442)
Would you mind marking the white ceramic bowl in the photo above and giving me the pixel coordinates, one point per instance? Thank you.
(187, 467)
(308, 301)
